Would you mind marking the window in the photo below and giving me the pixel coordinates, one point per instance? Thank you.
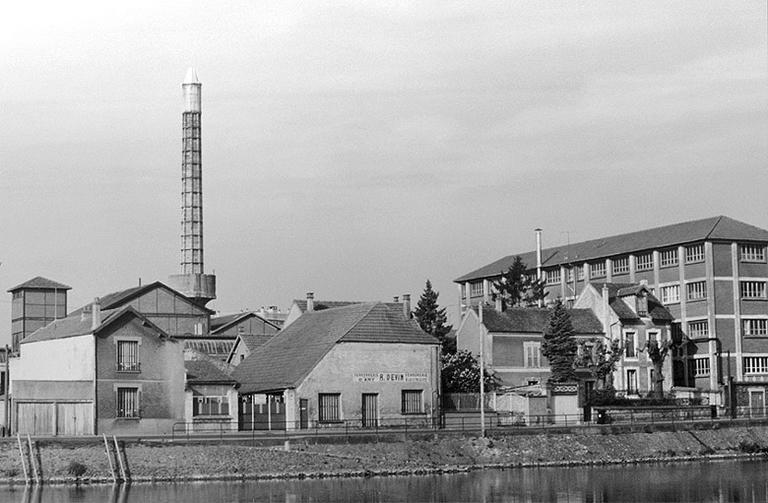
(696, 290)
(127, 402)
(621, 265)
(669, 257)
(552, 276)
(476, 289)
(698, 329)
(756, 364)
(198, 329)
(752, 253)
(645, 262)
(641, 302)
(755, 327)
(329, 410)
(532, 352)
(670, 294)
(630, 345)
(753, 289)
(128, 356)
(580, 272)
(654, 335)
(411, 401)
(701, 366)
(694, 253)
(210, 406)
(569, 275)
(597, 269)
(631, 381)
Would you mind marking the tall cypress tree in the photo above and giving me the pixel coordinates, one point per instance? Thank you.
(559, 346)
(431, 317)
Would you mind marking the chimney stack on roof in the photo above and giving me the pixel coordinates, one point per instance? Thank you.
(538, 256)
(407, 305)
(396, 299)
(96, 314)
(310, 302)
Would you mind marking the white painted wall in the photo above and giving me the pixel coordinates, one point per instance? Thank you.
(68, 359)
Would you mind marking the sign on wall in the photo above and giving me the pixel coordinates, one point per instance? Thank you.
(390, 377)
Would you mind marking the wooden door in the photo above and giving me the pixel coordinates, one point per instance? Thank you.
(370, 410)
(35, 418)
(303, 413)
(74, 419)
(245, 413)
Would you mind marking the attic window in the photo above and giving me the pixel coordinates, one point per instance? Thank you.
(642, 305)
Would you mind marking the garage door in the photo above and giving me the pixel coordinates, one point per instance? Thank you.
(35, 418)
(74, 419)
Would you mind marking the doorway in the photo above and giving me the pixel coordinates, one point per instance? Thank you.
(370, 410)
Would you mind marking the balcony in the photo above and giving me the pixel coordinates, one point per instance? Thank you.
(133, 367)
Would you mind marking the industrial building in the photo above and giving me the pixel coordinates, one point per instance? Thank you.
(711, 274)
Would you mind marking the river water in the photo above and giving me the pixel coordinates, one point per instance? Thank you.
(720, 481)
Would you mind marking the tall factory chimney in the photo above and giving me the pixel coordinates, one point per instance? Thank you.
(192, 282)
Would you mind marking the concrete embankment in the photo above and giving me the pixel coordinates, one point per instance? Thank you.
(158, 461)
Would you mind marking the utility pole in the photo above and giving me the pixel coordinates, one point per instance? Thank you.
(482, 371)
(7, 386)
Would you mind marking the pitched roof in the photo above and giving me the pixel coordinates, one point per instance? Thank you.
(714, 228)
(535, 319)
(224, 322)
(291, 354)
(320, 305)
(42, 283)
(255, 341)
(205, 371)
(80, 324)
(120, 298)
(616, 291)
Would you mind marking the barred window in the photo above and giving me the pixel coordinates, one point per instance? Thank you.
(210, 406)
(669, 257)
(411, 401)
(694, 253)
(552, 276)
(753, 289)
(670, 294)
(127, 402)
(753, 253)
(597, 269)
(698, 329)
(476, 289)
(696, 290)
(128, 356)
(645, 262)
(701, 366)
(329, 409)
(755, 327)
(620, 265)
(756, 364)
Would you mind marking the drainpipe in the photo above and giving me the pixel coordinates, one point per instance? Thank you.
(538, 257)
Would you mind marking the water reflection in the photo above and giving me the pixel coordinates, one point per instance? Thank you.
(706, 482)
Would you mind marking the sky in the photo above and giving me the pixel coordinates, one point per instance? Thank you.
(356, 149)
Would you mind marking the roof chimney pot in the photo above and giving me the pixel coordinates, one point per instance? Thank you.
(96, 314)
(310, 302)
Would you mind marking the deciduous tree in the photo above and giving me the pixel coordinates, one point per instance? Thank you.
(461, 374)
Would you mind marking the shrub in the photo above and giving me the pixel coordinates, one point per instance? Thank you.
(76, 469)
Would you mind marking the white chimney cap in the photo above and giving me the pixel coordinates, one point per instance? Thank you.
(191, 77)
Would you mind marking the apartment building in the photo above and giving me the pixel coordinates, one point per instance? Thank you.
(711, 274)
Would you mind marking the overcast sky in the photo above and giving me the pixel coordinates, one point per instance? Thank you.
(357, 149)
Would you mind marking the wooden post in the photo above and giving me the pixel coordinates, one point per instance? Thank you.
(112, 470)
(23, 463)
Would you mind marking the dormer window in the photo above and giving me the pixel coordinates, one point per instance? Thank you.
(642, 304)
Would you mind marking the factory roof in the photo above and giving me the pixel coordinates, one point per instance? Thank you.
(714, 228)
(291, 354)
(122, 297)
(224, 322)
(41, 283)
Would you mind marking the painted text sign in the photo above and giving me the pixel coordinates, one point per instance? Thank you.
(390, 377)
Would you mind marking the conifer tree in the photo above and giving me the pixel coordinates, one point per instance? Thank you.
(432, 318)
(559, 346)
(517, 288)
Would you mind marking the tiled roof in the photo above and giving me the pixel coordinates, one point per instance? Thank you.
(714, 228)
(80, 324)
(42, 283)
(290, 355)
(534, 320)
(205, 371)
(331, 304)
(656, 309)
(255, 341)
(117, 299)
(220, 323)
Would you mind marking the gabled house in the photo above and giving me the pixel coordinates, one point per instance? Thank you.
(248, 329)
(630, 313)
(176, 314)
(210, 394)
(94, 372)
(244, 345)
(512, 341)
(359, 364)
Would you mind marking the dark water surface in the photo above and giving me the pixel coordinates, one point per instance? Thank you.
(738, 481)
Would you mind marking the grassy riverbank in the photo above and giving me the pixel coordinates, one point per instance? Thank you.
(163, 461)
